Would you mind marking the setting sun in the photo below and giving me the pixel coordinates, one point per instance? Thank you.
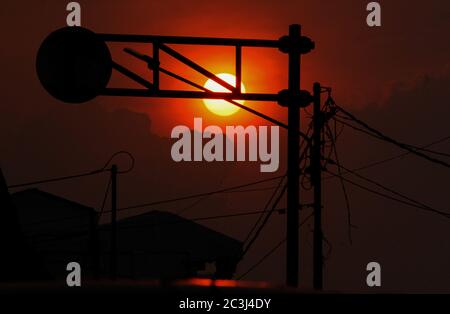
(218, 106)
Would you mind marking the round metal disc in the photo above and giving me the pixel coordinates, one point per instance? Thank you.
(74, 64)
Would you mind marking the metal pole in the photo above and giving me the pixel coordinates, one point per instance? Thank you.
(155, 69)
(292, 243)
(238, 70)
(113, 261)
(316, 179)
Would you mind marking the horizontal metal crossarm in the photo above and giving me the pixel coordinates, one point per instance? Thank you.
(127, 92)
(188, 94)
(263, 43)
(150, 61)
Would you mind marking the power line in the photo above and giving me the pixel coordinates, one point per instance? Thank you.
(385, 160)
(390, 190)
(226, 190)
(84, 174)
(108, 186)
(410, 202)
(357, 129)
(344, 190)
(422, 206)
(197, 201)
(386, 138)
(196, 195)
(431, 151)
(270, 188)
(266, 219)
(57, 178)
(205, 218)
(278, 186)
(190, 206)
(265, 209)
(181, 221)
(378, 135)
(122, 152)
(269, 253)
(381, 138)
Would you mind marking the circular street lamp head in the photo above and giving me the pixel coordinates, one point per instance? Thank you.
(73, 64)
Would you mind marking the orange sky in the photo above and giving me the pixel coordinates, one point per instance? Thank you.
(43, 137)
(349, 56)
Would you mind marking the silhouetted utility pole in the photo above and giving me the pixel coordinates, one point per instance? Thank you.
(113, 260)
(316, 179)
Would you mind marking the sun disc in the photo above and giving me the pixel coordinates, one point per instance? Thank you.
(218, 106)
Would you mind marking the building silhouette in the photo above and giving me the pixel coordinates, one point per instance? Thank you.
(59, 230)
(153, 245)
(18, 261)
(160, 244)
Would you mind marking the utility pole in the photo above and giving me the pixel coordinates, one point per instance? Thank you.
(316, 178)
(113, 260)
(292, 241)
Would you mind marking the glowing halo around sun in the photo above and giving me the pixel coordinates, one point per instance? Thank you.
(218, 106)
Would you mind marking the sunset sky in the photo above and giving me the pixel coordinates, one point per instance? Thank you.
(396, 77)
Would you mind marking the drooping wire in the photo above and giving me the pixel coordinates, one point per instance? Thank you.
(266, 207)
(382, 186)
(181, 221)
(84, 174)
(269, 188)
(197, 201)
(102, 207)
(411, 203)
(302, 158)
(381, 136)
(122, 152)
(344, 190)
(385, 160)
(270, 252)
(386, 138)
(431, 151)
(327, 255)
(171, 200)
(305, 181)
(225, 190)
(263, 224)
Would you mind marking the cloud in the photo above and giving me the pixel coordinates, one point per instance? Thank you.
(69, 140)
